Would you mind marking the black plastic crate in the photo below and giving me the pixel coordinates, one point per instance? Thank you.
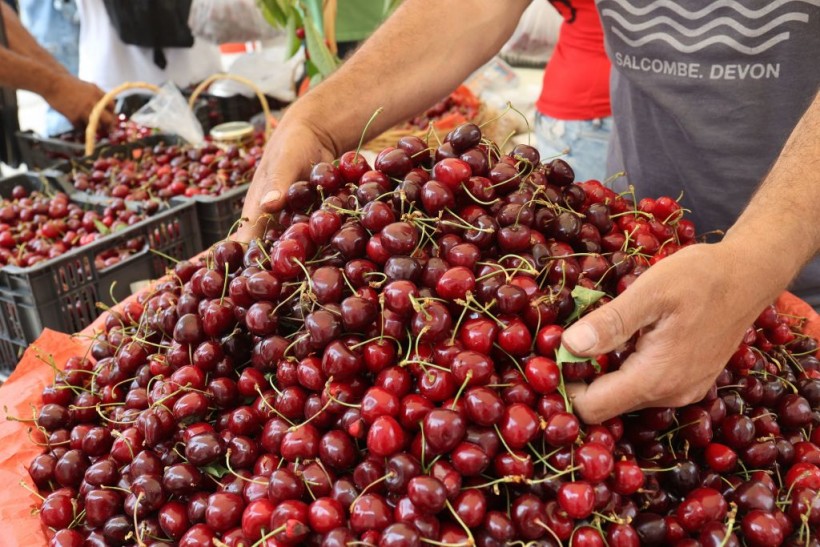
(218, 214)
(40, 152)
(62, 170)
(62, 294)
(51, 152)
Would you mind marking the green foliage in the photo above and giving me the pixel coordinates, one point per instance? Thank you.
(292, 15)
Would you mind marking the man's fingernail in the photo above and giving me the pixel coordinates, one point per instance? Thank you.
(581, 337)
(273, 195)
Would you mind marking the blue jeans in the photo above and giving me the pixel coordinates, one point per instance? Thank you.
(582, 143)
(56, 26)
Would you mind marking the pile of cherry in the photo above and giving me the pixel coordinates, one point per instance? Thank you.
(451, 105)
(384, 368)
(123, 131)
(38, 226)
(165, 171)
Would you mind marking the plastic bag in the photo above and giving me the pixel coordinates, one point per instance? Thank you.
(169, 112)
(535, 37)
(224, 21)
(269, 69)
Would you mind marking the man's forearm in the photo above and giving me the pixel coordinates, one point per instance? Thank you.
(779, 230)
(23, 43)
(19, 72)
(423, 52)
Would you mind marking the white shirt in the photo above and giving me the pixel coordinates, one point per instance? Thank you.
(106, 61)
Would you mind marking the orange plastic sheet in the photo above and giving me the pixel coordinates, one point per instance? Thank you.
(19, 524)
(19, 397)
(791, 305)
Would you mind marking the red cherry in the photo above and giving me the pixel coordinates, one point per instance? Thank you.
(543, 374)
(761, 529)
(627, 477)
(386, 437)
(595, 460)
(325, 515)
(805, 475)
(519, 425)
(577, 499)
(701, 506)
(720, 457)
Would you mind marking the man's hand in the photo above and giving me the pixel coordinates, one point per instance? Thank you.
(691, 310)
(74, 99)
(398, 70)
(293, 149)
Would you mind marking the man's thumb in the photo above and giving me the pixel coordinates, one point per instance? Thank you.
(273, 200)
(606, 328)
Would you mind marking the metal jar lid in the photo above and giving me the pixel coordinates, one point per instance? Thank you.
(232, 131)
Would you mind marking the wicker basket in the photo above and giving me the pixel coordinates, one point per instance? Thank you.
(96, 112)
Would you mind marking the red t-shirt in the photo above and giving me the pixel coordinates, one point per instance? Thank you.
(576, 81)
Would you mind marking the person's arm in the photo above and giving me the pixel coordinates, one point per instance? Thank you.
(23, 43)
(24, 69)
(419, 55)
(694, 306)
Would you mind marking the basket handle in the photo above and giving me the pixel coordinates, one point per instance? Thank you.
(259, 95)
(96, 112)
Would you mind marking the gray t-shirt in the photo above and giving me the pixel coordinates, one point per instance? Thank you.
(705, 94)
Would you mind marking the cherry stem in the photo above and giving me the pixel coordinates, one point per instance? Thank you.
(137, 532)
(424, 540)
(543, 458)
(271, 408)
(466, 381)
(383, 478)
(669, 432)
(568, 471)
(374, 339)
(366, 127)
(234, 473)
(324, 407)
(730, 523)
(109, 420)
(475, 199)
(611, 518)
(548, 529)
(470, 539)
(508, 478)
(165, 256)
(31, 490)
(506, 446)
(78, 517)
(266, 536)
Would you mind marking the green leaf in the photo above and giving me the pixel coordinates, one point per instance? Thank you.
(316, 13)
(320, 55)
(563, 355)
(294, 43)
(215, 470)
(102, 228)
(311, 70)
(584, 298)
(273, 13)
